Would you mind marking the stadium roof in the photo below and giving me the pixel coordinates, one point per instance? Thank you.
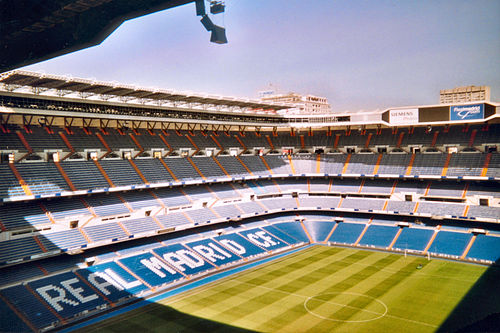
(96, 88)
(36, 30)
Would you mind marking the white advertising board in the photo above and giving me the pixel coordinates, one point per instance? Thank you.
(403, 116)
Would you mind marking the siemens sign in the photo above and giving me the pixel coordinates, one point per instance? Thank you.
(403, 116)
(467, 112)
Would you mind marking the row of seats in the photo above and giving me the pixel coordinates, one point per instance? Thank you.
(45, 178)
(40, 139)
(19, 215)
(62, 298)
(48, 243)
(52, 300)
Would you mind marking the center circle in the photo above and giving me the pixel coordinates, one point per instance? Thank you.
(334, 306)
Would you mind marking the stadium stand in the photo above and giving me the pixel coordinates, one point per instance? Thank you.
(347, 233)
(98, 214)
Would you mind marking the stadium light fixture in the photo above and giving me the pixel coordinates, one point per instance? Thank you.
(217, 7)
(218, 35)
(207, 23)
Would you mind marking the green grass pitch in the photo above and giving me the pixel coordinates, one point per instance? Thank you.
(327, 289)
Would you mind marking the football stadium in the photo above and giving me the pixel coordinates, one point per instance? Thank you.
(125, 208)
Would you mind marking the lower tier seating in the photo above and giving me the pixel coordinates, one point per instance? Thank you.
(126, 271)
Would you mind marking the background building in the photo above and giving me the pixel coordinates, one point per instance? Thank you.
(464, 94)
(304, 104)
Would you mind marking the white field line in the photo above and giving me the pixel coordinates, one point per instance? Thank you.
(347, 306)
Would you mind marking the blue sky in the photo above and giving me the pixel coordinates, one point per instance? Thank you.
(361, 55)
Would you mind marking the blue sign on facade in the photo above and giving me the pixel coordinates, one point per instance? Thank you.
(467, 112)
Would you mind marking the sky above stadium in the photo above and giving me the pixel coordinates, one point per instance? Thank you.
(361, 55)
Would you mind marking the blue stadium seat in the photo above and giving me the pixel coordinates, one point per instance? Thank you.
(37, 313)
(112, 281)
(347, 233)
(213, 252)
(450, 243)
(10, 322)
(263, 239)
(413, 239)
(319, 230)
(281, 235)
(293, 229)
(151, 269)
(485, 248)
(67, 295)
(183, 259)
(379, 236)
(239, 245)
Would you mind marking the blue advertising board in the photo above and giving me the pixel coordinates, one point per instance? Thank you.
(467, 112)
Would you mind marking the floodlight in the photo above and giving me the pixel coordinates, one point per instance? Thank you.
(218, 35)
(217, 7)
(207, 23)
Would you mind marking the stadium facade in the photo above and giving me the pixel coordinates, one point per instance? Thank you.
(111, 193)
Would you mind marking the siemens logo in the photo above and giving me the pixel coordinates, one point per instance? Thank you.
(404, 116)
(467, 112)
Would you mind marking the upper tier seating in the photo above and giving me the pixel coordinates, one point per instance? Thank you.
(42, 178)
(9, 186)
(494, 166)
(153, 170)
(466, 164)
(362, 164)
(393, 164)
(11, 141)
(116, 141)
(80, 140)
(305, 163)
(182, 169)
(147, 140)
(428, 164)
(255, 164)
(227, 141)
(208, 167)
(279, 164)
(84, 175)
(232, 166)
(40, 140)
(121, 172)
(333, 163)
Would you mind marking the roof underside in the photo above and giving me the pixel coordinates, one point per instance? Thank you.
(37, 30)
(89, 88)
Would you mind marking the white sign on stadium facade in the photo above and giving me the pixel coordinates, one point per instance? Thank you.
(403, 116)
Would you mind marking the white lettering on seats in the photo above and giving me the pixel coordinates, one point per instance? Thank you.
(121, 281)
(209, 252)
(103, 285)
(261, 235)
(233, 246)
(156, 265)
(77, 292)
(55, 300)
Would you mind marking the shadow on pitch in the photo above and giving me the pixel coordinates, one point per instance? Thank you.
(479, 310)
(156, 317)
